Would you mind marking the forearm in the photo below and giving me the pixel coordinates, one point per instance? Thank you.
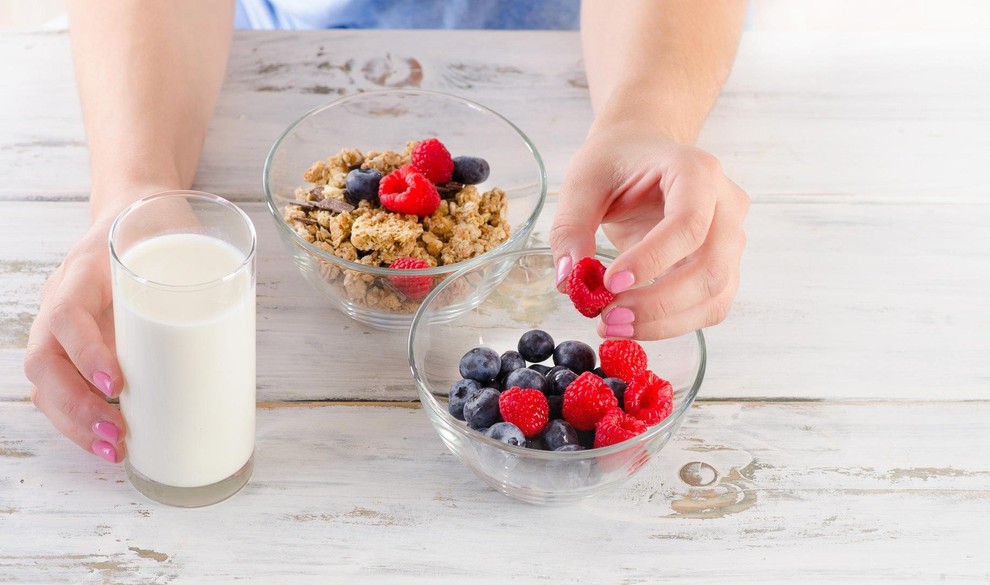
(149, 74)
(659, 63)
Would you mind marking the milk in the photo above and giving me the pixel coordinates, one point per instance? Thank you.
(187, 353)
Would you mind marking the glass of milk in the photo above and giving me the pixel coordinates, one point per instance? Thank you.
(183, 268)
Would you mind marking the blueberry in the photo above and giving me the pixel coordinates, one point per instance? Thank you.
(536, 443)
(543, 370)
(618, 388)
(481, 409)
(575, 355)
(585, 438)
(459, 394)
(481, 364)
(559, 381)
(569, 447)
(600, 373)
(508, 433)
(554, 370)
(511, 360)
(559, 433)
(362, 185)
(526, 378)
(556, 404)
(470, 170)
(536, 345)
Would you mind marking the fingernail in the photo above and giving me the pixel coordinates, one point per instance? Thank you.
(106, 430)
(564, 267)
(104, 383)
(624, 330)
(619, 316)
(105, 450)
(620, 282)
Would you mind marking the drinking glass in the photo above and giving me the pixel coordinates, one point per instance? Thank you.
(183, 272)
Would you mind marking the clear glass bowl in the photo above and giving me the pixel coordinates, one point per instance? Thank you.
(519, 295)
(386, 120)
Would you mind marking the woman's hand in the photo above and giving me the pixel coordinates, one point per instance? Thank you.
(70, 359)
(675, 218)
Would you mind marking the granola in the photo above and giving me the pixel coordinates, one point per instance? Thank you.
(467, 223)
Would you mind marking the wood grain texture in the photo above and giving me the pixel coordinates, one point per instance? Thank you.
(839, 301)
(879, 116)
(796, 493)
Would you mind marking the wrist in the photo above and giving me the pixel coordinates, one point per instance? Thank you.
(109, 198)
(645, 108)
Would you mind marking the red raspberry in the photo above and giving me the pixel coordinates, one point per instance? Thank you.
(649, 398)
(586, 399)
(413, 288)
(586, 287)
(526, 408)
(432, 159)
(405, 190)
(617, 426)
(622, 358)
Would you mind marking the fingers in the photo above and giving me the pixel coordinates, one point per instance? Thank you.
(74, 409)
(706, 314)
(690, 194)
(697, 292)
(75, 305)
(580, 208)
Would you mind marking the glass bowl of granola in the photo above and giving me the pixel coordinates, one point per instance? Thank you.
(375, 215)
(486, 371)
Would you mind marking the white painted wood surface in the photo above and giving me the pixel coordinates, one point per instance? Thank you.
(845, 408)
(804, 492)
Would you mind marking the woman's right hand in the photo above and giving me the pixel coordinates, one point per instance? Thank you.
(70, 360)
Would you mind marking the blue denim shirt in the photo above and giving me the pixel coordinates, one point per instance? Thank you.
(447, 14)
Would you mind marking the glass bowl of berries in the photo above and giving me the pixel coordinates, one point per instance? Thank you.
(523, 390)
(380, 196)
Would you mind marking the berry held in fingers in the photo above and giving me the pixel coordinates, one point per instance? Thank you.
(586, 287)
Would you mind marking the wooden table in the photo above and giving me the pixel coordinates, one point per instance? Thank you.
(845, 411)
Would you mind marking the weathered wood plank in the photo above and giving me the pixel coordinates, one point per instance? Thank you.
(839, 300)
(799, 493)
(864, 116)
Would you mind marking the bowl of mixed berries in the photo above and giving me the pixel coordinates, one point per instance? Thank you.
(380, 196)
(523, 391)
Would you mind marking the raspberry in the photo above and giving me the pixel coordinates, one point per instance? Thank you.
(526, 408)
(649, 398)
(586, 287)
(617, 426)
(432, 159)
(585, 401)
(622, 358)
(406, 190)
(413, 288)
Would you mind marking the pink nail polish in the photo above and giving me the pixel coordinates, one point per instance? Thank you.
(105, 450)
(624, 330)
(621, 281)
(564, 267)
(104, 383)
(619, 316)
(106, 430)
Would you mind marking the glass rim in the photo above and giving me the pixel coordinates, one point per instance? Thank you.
(186, 194)
(450, 423)
(522, 232)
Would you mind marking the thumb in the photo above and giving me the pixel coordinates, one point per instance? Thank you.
(580, 209)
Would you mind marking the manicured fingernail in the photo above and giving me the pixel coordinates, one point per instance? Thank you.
(620, 282)
(106, 430)
(105, 450)
(564, 267)
(624, 330)
(619, 316)
(104, 383)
